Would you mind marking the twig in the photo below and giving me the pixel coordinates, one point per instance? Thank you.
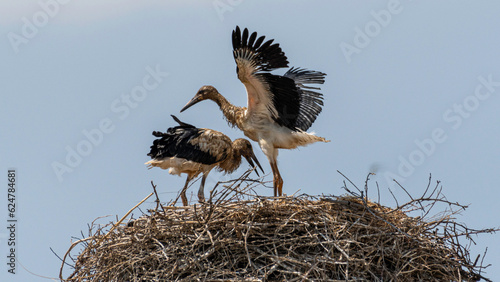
(101, 239)
(158, 204)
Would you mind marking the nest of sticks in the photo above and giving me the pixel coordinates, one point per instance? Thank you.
(237, 235)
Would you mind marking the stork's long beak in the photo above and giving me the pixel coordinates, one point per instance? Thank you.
(253, 158)
(193, 101)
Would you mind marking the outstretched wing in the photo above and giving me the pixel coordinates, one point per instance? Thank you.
(200, 145)
(279, 97)
(310, 101)
(267, 93)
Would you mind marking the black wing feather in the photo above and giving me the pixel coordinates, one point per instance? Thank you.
(183, 124)
(259, 41)
(252, 38)
(310, 101)
(176, 143)
(236, 38)
(296, 104)
(244, 38)
(286, 99)
(267, 56)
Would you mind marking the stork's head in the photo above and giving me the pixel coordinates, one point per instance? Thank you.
(243, 147)
(205, 92)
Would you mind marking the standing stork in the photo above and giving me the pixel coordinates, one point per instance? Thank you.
(191, 150)
(280, 107)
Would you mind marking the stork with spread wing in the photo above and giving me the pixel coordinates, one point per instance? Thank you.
(280, 107)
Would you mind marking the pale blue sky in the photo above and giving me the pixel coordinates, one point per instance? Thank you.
(400, 74)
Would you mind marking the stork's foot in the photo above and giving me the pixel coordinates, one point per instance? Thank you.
(278, 186)
(277, 180)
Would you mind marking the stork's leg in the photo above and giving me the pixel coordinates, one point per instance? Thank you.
(183, 193)
(201, 192)
(277, 180)
(272, 156)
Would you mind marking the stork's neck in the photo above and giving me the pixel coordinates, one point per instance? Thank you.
(233, 114)
(231, 163)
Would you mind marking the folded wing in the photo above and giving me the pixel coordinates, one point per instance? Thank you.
(185, 141)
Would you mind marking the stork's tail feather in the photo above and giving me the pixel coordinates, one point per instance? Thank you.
(315, 137)
(149, 164)
(320, 139)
